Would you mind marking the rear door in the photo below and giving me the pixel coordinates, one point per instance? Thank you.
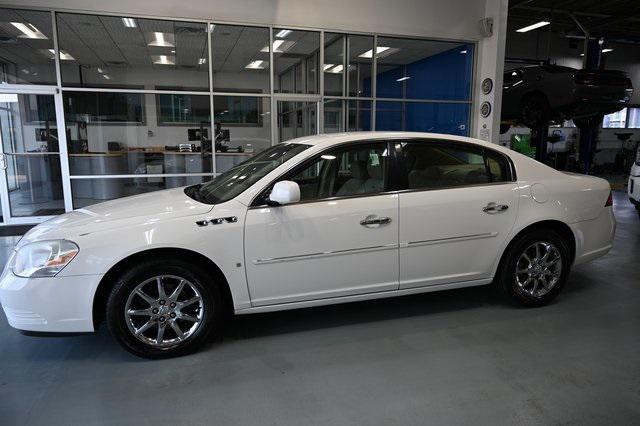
(458, 203)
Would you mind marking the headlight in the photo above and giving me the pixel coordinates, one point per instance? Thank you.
(43, 258)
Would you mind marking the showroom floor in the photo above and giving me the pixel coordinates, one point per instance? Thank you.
(457, 357)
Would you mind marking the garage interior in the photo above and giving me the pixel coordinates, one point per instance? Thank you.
(454, 357)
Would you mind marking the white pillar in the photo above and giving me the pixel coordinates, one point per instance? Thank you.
(490, 64)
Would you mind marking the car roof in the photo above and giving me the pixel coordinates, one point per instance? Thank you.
(330, 139)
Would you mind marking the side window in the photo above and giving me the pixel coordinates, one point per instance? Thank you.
(429, 165)
(361, 169)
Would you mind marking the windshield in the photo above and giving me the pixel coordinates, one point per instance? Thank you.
(235, 181)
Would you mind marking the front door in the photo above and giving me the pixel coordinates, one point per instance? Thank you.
(457, 209)
(341, 239)
(31, 184)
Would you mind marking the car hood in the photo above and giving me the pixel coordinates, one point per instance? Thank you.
(150, 207)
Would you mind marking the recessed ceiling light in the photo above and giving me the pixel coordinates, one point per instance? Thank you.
(283, 33)
(463, 51)
(163, 59)
(162, 40)
(99, 70)
(129, 22)
(369, 53)
(607, 50)
(403, 78)
(533, 26)
(28, 31)
(106, 77)
(337, 69)
(256, 65)
(327, 66)
(279, 46)
(64, 56)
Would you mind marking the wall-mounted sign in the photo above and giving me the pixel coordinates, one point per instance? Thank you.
(487, 86)
(485, 109)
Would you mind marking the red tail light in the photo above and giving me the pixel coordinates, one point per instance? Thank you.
(609, 202)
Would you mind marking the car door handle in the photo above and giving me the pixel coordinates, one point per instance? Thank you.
(493, 208)
(374, 220)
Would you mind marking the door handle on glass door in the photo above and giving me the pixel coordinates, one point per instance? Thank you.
(493, 208)
(374, 220)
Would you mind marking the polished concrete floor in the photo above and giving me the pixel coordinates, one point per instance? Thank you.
(456, 357)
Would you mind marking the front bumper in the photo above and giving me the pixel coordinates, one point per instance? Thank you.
(61, 304)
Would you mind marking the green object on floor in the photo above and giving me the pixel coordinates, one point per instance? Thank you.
(522, 143)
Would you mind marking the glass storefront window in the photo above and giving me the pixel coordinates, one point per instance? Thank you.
(333, 115)
(423, 69)
(333, 67)
(242, 124)
(29, 133)
(86, 192)
(240, 58)
(295, 57)
(26, 50)
(359, 66)
(448, 118)
(359, 117)
(114, 51)
(132, 133)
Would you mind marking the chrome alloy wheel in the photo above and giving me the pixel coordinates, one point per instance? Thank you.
(164, 311)
(538, 269)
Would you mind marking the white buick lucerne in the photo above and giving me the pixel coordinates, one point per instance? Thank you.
(313, 221)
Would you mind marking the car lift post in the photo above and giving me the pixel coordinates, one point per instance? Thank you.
(539, 138)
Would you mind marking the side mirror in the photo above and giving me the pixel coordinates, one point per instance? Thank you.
(285, 192)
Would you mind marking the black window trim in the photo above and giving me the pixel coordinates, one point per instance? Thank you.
(481, 149)
(392, 181)
(255, 202)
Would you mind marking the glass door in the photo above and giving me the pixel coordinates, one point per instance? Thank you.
(31, 180)
(296, 118)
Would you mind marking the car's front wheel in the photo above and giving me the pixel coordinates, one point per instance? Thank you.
(163, 308)
(535, 267)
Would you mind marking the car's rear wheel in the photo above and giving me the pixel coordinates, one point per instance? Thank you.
(535, 267)
(163, 308)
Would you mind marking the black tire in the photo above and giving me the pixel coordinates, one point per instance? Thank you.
(508, 280)
(208, 309)
(535, 110)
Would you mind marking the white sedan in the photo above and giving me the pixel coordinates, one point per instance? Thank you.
(313, 221)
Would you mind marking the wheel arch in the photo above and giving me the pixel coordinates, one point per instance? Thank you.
(560, 227)
(108, 280)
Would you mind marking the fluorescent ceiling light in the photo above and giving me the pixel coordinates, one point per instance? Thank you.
(100, 70)
(607, 50)
(106, 77)
(336, 70)
(212, 27)
(64, 56)
(255, 65)
(8, 98)
(463, 51)
(163, 40)
(28, 31)
(279, 46)
(163, 59)
(328, 157)
(403, 78)
(533, 27)
(202, 61)
(327, 66)
(369, 53)
(283, 33)
(129, 22)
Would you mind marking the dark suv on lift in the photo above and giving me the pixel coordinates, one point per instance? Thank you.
(534, 95)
